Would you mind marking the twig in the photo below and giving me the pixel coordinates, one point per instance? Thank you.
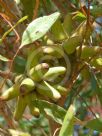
(57, 129)
(5, 73)
(7, 20)
(73, 79)
(12, 28)
(36, 9)
(87, 106)
(45, 6)
(3, 37)
(87, 26)
(98, 23)
(5, 132)
(10, 69)
(6, 113)
(42, 130)
(59, 6)
(88, 13)
(8, 11)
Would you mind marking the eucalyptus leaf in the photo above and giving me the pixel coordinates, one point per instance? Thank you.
(52, 110)
(68, 123)
(38, 28)
(95, 124)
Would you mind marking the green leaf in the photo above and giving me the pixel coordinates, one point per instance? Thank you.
(19, 65)
(3, 58)
(38, 28)
(95, 124)
(56, 112)
(68, 24)
(96, 86)
(68, 123)
(28, 7)
(79, 16)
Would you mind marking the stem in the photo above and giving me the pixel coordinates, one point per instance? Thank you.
(11, 65)
(36, 9)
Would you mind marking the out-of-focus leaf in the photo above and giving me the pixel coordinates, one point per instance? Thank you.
(96, 87)
(56, 112)
(67, 24)
(19, 64)
(28, 7)
(58, 31)
(38, 28)
(3, 58)
(68, 123)
(97, 11)
(95, 124)
(18, 133)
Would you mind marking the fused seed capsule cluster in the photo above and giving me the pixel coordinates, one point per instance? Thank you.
(43, 77)
(39, 80)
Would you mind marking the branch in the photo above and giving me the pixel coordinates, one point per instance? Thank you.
(36, 9)
(6, 113)
(59, 6)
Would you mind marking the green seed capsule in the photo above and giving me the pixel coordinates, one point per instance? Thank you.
(55, 50)
(37, 72)
(62, 90)
(19, 78)
(33, 110)
(88, 51)
(11, 93)
(20, 107)
(47, 90)
(47, 40)
(27, 86)
(54, 72)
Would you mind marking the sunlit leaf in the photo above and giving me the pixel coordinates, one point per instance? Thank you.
(68, 123)
(38, 28)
